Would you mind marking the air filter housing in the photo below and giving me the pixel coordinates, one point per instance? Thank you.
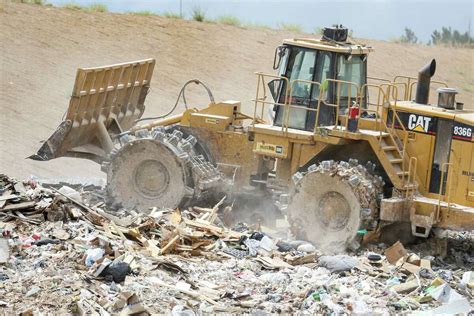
(446, 98)
(336, 33)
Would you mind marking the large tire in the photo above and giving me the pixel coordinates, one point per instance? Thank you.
(331, 201)
(157, 169)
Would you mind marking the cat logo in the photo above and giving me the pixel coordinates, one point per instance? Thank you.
(419, 123)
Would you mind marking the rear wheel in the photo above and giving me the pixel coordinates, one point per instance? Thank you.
(331, 202)
(157, 169)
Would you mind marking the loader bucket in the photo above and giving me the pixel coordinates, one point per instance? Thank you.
(105, 101)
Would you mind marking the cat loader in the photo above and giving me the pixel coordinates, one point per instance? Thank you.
(332, 149)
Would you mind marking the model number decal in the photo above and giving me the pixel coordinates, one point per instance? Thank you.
(462, 131)
(270, 148)
(212, 121)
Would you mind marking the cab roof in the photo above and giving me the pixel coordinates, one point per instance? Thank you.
(338, 47)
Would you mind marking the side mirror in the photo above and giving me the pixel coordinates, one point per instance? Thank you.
(280, 51)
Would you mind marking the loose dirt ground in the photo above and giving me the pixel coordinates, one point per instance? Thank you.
(41, 48)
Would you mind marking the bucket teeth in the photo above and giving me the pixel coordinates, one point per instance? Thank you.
(192, 140)
(158, 135)
(160, 129)
(353, 162)
(297, 177)
(173, 140)
(178, 134)
(113, 153)
(143, 133)
(184, 157)
(344, 164)
(186, 146)
(312, 168)
(125, 139)
(327, 165)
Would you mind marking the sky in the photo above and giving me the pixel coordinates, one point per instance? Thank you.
(373, 19)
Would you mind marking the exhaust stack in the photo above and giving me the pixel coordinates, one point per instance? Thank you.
(424, 79)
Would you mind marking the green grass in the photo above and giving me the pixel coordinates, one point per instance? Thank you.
(290, 27)
(37, 2)
(198, 14)
(73, 6)
(172, 15)
(229, 20)
(95, 7)
(142, 13)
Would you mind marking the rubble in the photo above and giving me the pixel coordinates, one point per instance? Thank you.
(89, 260)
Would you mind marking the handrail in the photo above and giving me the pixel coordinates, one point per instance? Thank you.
(405, 89)
(444, 169)
(338, 97)
(291, 106)
(410, 82)
(379, 79)
(261, 78)
(401, 151)
(411, 176)
(381, 93)
(407, 84)
(392, 90)
(410, 89)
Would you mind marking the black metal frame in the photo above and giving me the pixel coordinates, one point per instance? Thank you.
(325, 115)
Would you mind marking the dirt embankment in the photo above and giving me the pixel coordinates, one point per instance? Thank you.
(41, 48)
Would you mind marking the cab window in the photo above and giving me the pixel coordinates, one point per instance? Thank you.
(323, 72)
(350, 68)
(300, 67)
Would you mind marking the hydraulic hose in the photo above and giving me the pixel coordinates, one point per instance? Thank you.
(182, 93)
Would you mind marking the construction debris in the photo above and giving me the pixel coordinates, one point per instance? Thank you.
(89, 260)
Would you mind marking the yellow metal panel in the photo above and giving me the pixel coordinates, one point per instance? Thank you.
(422, 147)
(467, 117)
(272, 146)
(308, 152)
(462, 158)
(213, 122)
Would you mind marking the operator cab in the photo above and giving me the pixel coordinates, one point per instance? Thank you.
(303, 60)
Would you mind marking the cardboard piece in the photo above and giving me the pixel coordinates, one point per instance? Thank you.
(405, 287)
(411, 268)
(425, 263)
(395, 252)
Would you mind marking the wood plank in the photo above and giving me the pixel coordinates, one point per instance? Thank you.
(170, 244)
(208, 227)
(19, 206)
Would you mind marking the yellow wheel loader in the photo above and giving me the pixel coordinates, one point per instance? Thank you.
(334, 149)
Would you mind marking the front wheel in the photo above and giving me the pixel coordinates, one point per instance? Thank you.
(330, 202)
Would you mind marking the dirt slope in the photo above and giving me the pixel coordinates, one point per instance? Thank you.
(41, 48)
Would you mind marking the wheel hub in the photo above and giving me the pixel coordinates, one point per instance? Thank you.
(334, 210)
(151, 178)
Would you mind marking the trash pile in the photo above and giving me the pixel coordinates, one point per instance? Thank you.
(62, 251)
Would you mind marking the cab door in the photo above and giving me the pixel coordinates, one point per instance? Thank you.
(300, 66)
